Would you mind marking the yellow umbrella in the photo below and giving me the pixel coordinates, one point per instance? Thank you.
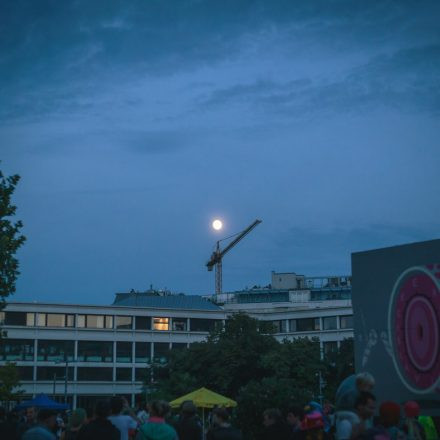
(204, 398)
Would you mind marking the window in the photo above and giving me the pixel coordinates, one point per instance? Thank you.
(48, 350)
(143, 352)
(48, 373)
(346, 321)
(179, 324)
(123, 374)
(143, 323)
(95, 351)
(142, 374)
(307, 324)
(329, 323)
(25, 373)
(41, 319)
(123, 322)
(292, 325)
(330, 347)
(70, 320)
(30, 319)
(15, 318)
(94, 321)
(203, 325)
(2, 318)
(90, 374)
(16, 349)
(162, 324)
(280, 326)
(56, 320)
(124, 352)
(161, 352)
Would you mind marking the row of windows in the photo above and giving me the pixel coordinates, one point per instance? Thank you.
(107, 321)
(86, 374)
(313, 324)
(88, 351)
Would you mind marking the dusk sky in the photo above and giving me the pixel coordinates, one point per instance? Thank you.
(134, 124)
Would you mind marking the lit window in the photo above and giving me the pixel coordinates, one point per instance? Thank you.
(41, 319)
(161, 324)
(30, 319)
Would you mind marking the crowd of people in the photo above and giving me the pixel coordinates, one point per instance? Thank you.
(356, 415)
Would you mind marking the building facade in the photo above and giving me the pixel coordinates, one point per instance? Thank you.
(82, 352)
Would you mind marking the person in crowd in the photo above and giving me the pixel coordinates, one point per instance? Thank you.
(294, 418)
(142, 413)
(125, 423)
(365, 382)
(156, 428)
(100, 427)
(222, 428)
(352, 424)
(389, 416)
(313, 426)
(274, 425)
(188, 426)
(76, 421)
(412, 427)
(45, 427)
(28, 422)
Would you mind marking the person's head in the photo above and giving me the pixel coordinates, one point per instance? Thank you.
(159, 408)
(116, 405)
(30, 414)
(411, 409)
(271, 416)
(48, 418)
(102, 409)
(294, 415)
(77, 418)
(365, 382)
(389, 413)
(220, 416)
(188, 408)
(365, 405)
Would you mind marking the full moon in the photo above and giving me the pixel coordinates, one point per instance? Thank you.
(217, 225)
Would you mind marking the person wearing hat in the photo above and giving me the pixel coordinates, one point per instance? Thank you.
(46, 425)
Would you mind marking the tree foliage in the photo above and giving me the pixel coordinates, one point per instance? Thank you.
(9, 382)
(10, 238)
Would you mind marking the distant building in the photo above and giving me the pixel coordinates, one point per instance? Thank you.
(108, 348)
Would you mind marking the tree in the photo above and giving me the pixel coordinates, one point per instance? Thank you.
(10, 238)
(9, 381)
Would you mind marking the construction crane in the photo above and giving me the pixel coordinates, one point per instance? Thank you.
(218, 254)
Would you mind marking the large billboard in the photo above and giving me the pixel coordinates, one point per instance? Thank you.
(396, 306)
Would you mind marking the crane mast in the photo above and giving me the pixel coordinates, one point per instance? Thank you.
(218, 254)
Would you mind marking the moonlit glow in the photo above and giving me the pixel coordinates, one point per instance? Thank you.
(217, 224)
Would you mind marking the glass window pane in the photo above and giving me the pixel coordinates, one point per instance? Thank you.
(25, 373)
(70, 320)
(330, 347)
(346, 321)
(143, 352)
(142, 374)
(15, 318)
(55, 320)
(179, 324)
(95, 321)
(307, 324)
(54, 373)
(30, 319)
(203, 325)
(124, 352)
(81, 321)
(41, 319)
(143, 323)
(16, 349)
(161, 324)
(123, 322)
(123, 374)
(161, 352)
(50, 350)
(329, 323)
(2, 318)
(93, 374)
(178, 346)
(95, 351)
(292, 325)
(109, 322)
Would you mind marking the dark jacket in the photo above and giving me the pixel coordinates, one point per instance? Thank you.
(99, 429)
(189, 428)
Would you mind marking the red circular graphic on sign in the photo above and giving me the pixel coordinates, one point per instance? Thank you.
(415, 330)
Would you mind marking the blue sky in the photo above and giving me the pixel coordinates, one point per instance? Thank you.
(135, 123)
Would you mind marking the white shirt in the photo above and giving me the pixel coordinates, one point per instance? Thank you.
(124, 424)
(345, 420)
